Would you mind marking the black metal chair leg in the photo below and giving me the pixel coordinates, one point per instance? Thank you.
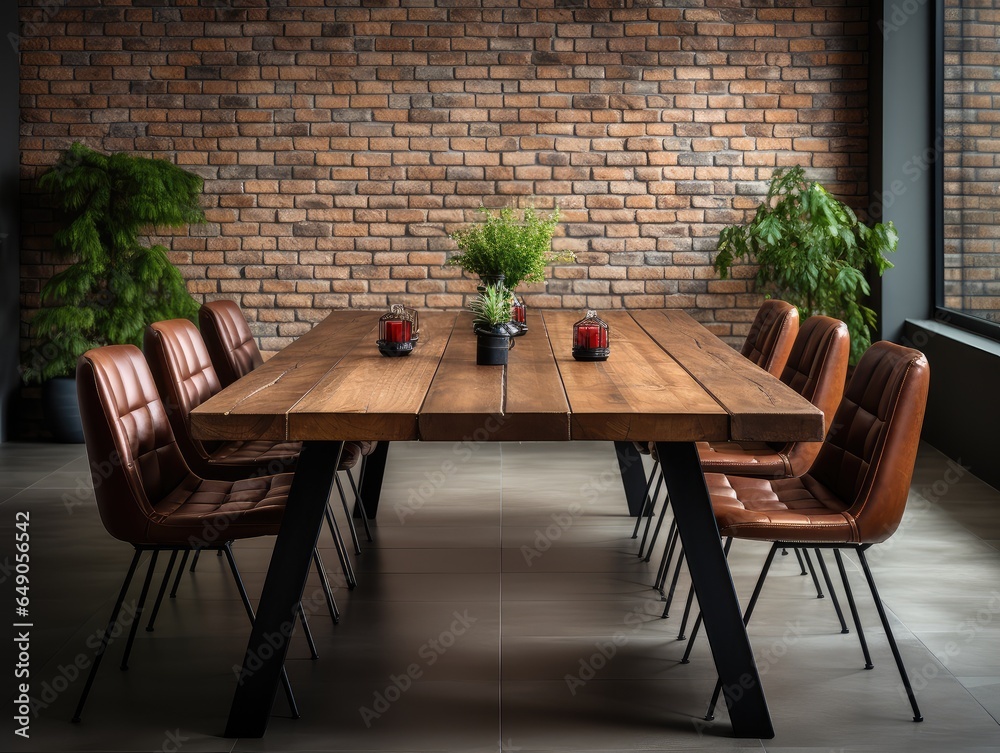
(331, 603)
(180, 572)
(917, 716)
(746, 621)
(697, 622)
(163, 590)
(667, 558)
(138, 609)
(360, 505)
(194, 560)
(309, 636)
(832, 591)
(812, 572)
(651, 507)
(687, 614)
(338, 543)
(854, 609)
(659, 524)
(686, 659)
(646, 500)
(106, 638)
(673, 583)
(350, 518)
(802, 565)
(227, 548)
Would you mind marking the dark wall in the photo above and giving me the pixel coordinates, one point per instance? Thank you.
(904, 193)
(964, 402)
(9, 236)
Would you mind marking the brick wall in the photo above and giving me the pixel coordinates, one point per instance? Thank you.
(971, 165)
(341, 142)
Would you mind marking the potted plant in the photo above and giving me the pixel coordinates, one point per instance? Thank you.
(811, 250)
(493, 338)
(504, 249)
(113, 286)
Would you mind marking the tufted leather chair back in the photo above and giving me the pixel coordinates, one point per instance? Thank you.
(771, 335)
(185, 376)
(135, 459)
(817, 370)
(230, 344)
(871, 446)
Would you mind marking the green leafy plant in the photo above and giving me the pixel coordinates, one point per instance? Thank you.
(492, 306)
(114, 286)
(811, 250)
(503, 245)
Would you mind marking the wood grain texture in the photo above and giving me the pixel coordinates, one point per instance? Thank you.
(256, 406)
(369, 396)
(524, 400)
(761, 408)
(639, 393)
(667, 379)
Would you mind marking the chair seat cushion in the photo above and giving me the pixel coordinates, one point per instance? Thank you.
(207, 513)
(788, 509)
(743, 459)
(278, 457)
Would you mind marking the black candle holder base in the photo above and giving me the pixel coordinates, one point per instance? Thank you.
(591, 354)
(395, 350)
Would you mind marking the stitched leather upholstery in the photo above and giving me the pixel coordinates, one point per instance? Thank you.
(816, 369)
(145, 492)
(230, 343)
(185, 377)
(856, 490)
(771, 335)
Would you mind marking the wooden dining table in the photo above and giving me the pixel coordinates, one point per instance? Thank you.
(668, 380)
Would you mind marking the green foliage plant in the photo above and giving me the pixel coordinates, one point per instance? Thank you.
(114, 286)
(811, 250)
(504, 245)
(492, 306)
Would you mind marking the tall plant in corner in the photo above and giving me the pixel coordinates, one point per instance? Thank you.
(811, 250)
(114, 285)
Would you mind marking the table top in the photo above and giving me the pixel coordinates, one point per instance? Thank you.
(667, 378)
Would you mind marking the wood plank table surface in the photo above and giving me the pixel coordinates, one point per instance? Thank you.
(668, 380)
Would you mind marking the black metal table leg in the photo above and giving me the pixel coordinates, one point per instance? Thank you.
(633, 476)
(371, 478)
(713, 585)
(283, 586)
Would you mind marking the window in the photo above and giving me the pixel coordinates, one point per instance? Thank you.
(969, 180)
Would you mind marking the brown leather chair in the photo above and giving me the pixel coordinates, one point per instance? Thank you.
(151, 499)
(230, 343)
(816, 368)
(854, 495)
(768, 344)
(772, 332)
(234, 354)
(186, 377)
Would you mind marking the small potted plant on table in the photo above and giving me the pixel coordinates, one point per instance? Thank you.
(503, 250)
(493, 338)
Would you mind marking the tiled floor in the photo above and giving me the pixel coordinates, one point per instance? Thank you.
(500, 578)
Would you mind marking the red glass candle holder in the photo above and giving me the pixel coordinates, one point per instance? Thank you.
(519, 316)
(590, 339)
(396, 332)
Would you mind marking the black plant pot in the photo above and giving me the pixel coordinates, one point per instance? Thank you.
(491, 280)
(492, 345)
(61, 410)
